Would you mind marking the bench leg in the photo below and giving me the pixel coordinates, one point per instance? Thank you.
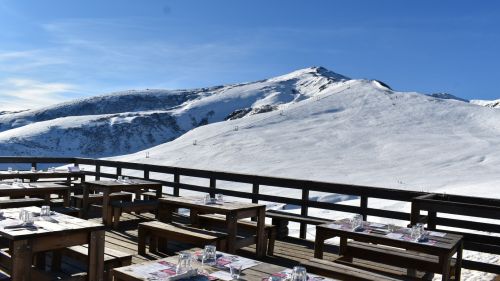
(161, 244)
(271, 242)
(56, 260)
(117, 212)
(221, 244)
(141, 243)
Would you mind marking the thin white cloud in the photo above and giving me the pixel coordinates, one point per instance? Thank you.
(19, 94)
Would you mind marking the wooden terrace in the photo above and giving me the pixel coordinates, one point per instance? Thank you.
(115, 218)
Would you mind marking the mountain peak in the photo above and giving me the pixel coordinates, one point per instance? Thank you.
(310, 71)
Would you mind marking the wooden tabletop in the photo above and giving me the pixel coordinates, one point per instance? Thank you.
(378, 234)
(40, 174)
(10, 186)
(197, 203)
(119, 185)
(56, 223)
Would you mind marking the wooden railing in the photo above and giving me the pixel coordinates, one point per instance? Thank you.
(305, 187)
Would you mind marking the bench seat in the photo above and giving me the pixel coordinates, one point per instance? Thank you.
(136, 206)
(112, 258)
(176, 232)
(97, 198)
(426, 264)
(249, 227)
(336, 270)
(21, 202)
(281, 218)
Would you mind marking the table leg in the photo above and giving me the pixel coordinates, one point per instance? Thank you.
(164, 213)
(458, 263)
(445, 263)
(85, 201)
(107, 214)
(66, 198)
(193, 217)
(232, 230)
(21, 260)
(261, 232)
(96, 256)
(159, 192)
(319, 244)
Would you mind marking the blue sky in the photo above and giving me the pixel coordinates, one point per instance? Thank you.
(56, 50)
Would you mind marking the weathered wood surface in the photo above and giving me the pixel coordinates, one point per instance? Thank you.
(108, 187)
(443, 248)
(160, 173)
(43, 189)
(47, 234)
(232, 210)
(33, 176)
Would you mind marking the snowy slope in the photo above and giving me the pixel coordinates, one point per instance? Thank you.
(487, 103)
(356, 132)
(130, 121)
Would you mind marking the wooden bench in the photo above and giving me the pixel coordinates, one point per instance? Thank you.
(112, 258)
(176, 232)
(70, 211)
(335, 270)
(249, 227)
(21, 202)
(395, 257)
(136, 206)
(97, 198)
(149, 195)
(280, 219)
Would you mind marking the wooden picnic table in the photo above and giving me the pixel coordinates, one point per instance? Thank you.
(48, 234)
(108, 187)
(139, 271)
(232, 210)
(43, 189)
(444, 247)
(34, 176)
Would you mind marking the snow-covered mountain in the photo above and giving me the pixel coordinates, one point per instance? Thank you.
(356, 132)
(487, 103)
(130, 121)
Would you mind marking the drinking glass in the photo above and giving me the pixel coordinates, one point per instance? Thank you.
(207, 199)
(235, 271)
(184, 263)
(33, 169)
(22, 214)
(28, 218)
(415, 232)
(274, 278)
(391, 227)
(209, 255)
(45, 211)
(119, 178)
(299, 273)
(9, 169)
(219, 198)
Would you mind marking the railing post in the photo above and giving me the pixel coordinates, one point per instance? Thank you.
(177, 180)
(212, 187)
(431, 219)
(255, 191)
(364, 207)
(98, 172)
(304, 211)
(33, 165)
(118, 171)
(146, 174)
